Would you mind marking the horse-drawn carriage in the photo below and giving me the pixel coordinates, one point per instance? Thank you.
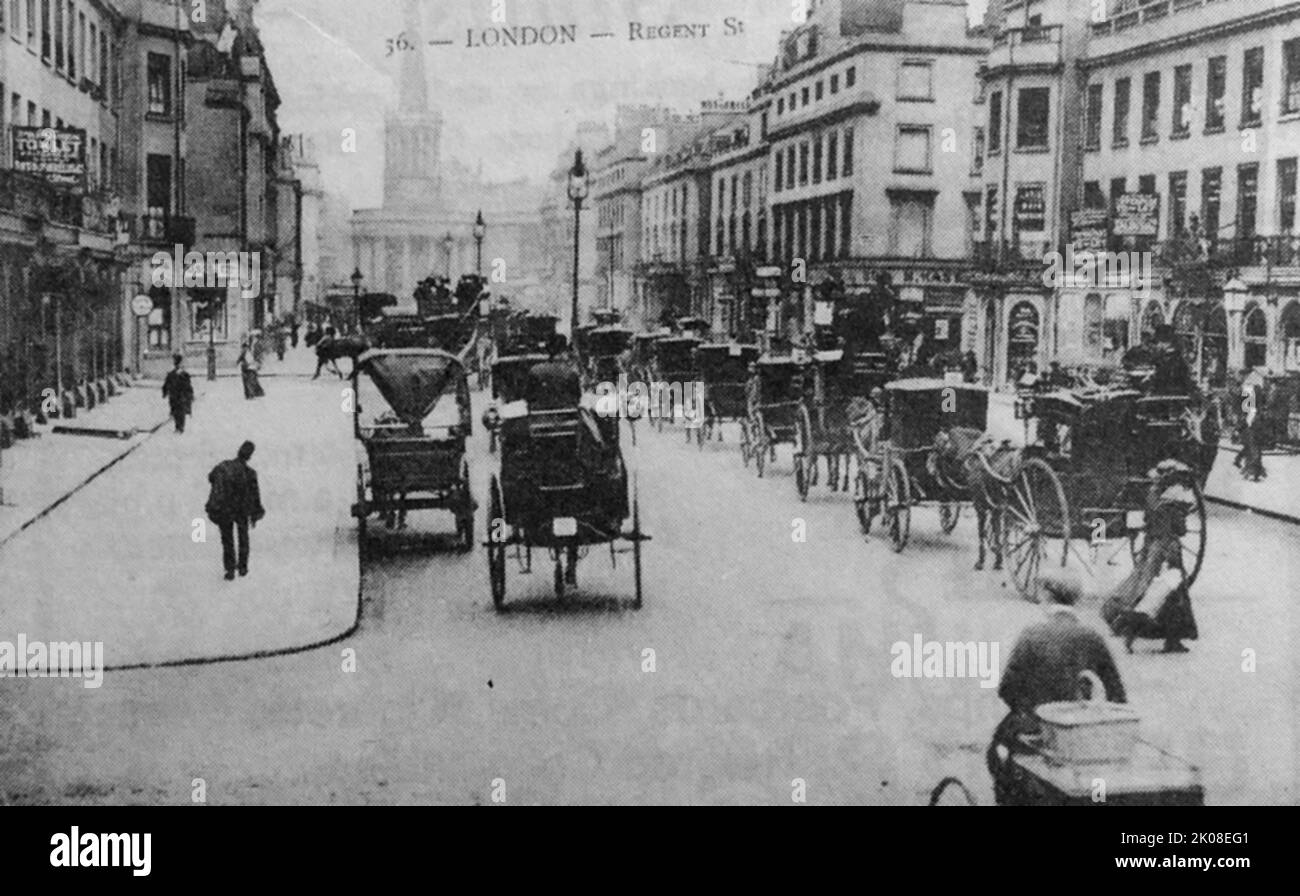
(724, 370)
(929, 447)
(414, 458)
(774, 397)
(835, 384)
(1106, 446)
(602, 352)
(672, 371)
(563, 487)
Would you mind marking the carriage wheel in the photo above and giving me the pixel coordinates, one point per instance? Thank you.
(1193, 542)
(496, 549)
(804, 462)
(949, 513)
(362, 510)
(760, 448)
(744, 442)
(465, 513)
(636, 553)
(898, 506)
(1035, 513)
(862, 503)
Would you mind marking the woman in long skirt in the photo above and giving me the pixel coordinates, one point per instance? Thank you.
(248, 372)
(1161, 558)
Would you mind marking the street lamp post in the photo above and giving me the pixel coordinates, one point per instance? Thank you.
(480, 231)
(448, 243)
(356, 295)
(579, 189)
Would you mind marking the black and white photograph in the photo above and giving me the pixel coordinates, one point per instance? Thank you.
(865, 403)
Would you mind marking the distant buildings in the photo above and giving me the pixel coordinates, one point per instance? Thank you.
(425, 226)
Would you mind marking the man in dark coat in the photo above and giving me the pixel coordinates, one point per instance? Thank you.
(554, 384)
(234, 504)
(1045, 667)
(179, 392)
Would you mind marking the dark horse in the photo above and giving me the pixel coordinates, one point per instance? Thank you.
(329, 350)
(970, 457)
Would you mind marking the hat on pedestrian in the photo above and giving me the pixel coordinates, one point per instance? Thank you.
(246, 450)
(1060, 586)
(176, 359)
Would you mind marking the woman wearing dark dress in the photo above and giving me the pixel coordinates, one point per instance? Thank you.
(1173, 621)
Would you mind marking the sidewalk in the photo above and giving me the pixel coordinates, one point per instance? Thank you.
(130, 560)
(37, 473)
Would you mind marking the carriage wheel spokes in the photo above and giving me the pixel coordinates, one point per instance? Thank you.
(862, 503)
(1035, 513)
(898, 506)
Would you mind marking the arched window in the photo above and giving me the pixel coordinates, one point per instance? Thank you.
(1291, 337)
(1256, 327)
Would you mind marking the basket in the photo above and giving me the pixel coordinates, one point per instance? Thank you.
(1083, 731)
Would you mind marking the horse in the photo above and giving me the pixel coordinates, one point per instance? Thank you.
(970, 457)
(329, 350)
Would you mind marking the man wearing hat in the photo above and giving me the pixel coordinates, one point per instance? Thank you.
(234, 504)
(179, 392)
(1045, 667)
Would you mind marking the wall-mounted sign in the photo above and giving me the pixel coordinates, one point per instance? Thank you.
(56, 154)
(1089, 230)
(1137, 214)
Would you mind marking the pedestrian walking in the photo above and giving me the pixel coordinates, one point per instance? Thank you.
(248, 367)
(1045, 666)
(1251, 458)
(1154, 601)
(325, 354)
(179, 392)
(293, 332)
(235, 506)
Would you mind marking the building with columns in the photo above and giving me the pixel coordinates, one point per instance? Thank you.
(425, 225)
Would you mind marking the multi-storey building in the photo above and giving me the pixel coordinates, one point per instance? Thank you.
(1197, 103)
(1168, 128)
(676, 214)
(62, 325)
(738, 223)
(616, 194)
(875, 152)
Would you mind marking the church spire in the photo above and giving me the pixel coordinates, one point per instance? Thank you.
(413, 90)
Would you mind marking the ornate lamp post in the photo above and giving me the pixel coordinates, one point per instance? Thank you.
(480, 231)
(448, 243)
(579, 189)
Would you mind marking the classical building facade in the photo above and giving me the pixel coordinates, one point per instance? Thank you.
(425, 226)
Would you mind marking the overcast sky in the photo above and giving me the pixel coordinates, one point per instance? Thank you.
(511, 110)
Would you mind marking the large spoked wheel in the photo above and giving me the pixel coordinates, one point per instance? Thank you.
(1036, 514)
(898, 506)
(949, 513)
(863, 502)
(744, 442)
(804, 459)
(1192, 541)
(362, 511)
(465, 513)
(496, 544)
(761, 446)
(636, 553)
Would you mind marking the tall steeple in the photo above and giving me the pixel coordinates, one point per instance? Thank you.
(413, 133)
(413, 91)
